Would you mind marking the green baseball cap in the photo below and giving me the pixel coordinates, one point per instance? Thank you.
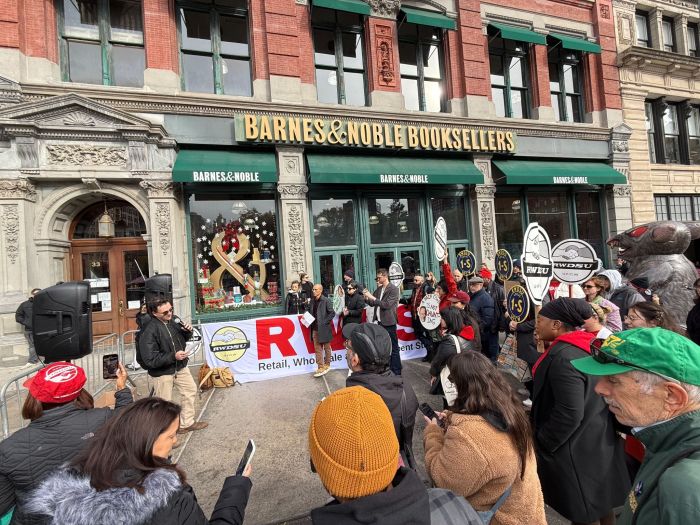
(654, 350)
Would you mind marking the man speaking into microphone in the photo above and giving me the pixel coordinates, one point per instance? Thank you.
(162, 352)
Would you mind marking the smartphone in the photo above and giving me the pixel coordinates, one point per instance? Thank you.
(247, 457)
(429, 412)
(110, 365)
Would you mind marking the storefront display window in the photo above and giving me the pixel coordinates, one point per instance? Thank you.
(235, 253)
(509, 223)
(588, 220)
(334, 223)
(551, 211)
(393, 220)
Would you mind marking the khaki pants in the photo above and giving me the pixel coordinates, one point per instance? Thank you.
(184, 383)
(320, 350)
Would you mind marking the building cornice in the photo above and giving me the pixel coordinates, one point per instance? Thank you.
(662, 62)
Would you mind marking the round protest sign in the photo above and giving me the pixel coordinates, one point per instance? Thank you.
(504, 265)
(429, 311)
(536, 261)
(440, 239)
(575, 261)
(338, 299)
(466, 262)
(396, 274)
(518, 304)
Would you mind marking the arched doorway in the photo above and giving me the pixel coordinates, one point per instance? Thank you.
(115, 266)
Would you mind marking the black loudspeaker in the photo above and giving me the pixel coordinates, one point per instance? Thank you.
(62, 322)
(159, 286)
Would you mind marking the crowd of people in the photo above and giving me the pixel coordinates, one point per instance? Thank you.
(613, 419)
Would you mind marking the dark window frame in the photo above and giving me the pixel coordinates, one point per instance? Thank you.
(663, 208)
(420, 43)
(340, 68)
(503, 53)
(649, 114)
(215, 13)
(105, 39)
(683, 113)
(574, 59)
(637, 40)
(695, 40)
(673, 46)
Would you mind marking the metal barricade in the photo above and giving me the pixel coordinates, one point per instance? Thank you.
(92, 363)
(128, 351)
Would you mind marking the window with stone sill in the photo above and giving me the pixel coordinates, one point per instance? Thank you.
(668, 36)
(673, 130)
(641, 20)
(101, 42)
(235, 252)
(693, 43)
(509, 77)
(422, 70)
(215, 47)
(566, 84)
(339, 57)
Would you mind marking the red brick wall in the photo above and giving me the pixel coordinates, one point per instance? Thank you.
(36, 31)
(307, 70)
(160, 35)
(539, 76)
(456, 87)
(9, 24)
(281, 27)
(604, 72)
(475, 63)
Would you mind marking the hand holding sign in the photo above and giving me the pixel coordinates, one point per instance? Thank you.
(504, 265)
(440, 239)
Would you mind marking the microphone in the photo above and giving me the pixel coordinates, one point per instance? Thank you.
(179, 321)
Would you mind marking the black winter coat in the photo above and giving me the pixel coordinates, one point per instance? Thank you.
(67, 497)
(444, 351)
(294, 304)
(525, 340)
(693, 324)
(482, 306)
(580, 459)
(324, 318)
(157, 345)
(391, 389)
(355, 304)
(28, 455)
(23, 315)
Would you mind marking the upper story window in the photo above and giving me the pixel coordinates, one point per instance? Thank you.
(693, 40)
(667, 35)
(566, 84)
(677, 140)
(651, 129)
(509, 77)
(421, 57)
(641, 20)
(214, 46)
(694, 135)
(102, 42)
(339, 57)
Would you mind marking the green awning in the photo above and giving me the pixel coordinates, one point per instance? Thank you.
(225, 166)
(519, 34)
(346, 169)
(428, 18)
(351, 6)
(576, 44)
(536, 172)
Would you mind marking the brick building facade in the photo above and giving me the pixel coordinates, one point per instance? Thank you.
(259, 139)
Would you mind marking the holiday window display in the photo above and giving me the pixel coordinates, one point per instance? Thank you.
(235, 257)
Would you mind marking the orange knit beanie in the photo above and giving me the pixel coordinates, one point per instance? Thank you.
(353, 443)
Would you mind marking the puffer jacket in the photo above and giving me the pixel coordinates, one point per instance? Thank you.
(67, 497)
(158, 343)
(28, 455)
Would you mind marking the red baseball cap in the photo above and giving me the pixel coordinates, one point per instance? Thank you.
(58, 382)
(486, 273)
(459, 297)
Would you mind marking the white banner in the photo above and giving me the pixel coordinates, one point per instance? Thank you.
(270, 347)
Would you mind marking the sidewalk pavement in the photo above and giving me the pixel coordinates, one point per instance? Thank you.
(275, 414)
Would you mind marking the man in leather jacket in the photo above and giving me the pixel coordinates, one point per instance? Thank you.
(162, 351)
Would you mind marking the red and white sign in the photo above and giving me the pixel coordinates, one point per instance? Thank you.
(271, 347)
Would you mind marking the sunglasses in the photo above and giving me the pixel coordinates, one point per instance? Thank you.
(587, 286)
(607, 359)
(166, 312)
(351, 288)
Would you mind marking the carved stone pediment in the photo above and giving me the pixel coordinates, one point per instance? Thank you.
(10, 92)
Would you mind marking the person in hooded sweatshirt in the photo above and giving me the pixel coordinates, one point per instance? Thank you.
(368, 351)
(622, 295)
(580, 458)
(124, 477)
(354, 451)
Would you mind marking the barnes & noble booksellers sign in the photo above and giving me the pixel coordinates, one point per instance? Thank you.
(362, 134)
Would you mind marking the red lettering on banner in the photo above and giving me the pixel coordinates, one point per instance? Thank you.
(263, 329)
(307, 337)
(338, 342)
(403, 316)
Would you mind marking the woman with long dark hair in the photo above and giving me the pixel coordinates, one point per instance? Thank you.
(124, 476)
(486, 447)
(453, 342)
(62, 421)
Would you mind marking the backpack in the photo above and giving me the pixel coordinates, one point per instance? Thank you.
(222, 377)
(447, 508)
(204, 379)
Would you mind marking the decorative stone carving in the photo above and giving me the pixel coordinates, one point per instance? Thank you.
(624, 28)
(295, 227)
(86, 155)
(484, 192)
(625, 4)
(384, 42)
(163, 222)
(488, 243)
(385, 8)
(159, 189)
(28, 153)
(92, 183)
(137, 156)
(622, 190)
(79, 119)
(605, 11)
(620, 146)
(17, 189)
(291, 165)
(10, 227)
(292, 191)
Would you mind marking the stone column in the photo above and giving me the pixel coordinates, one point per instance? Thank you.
(656, 36)
(618, 198)
(483, 215)
(294, 214)
(680, 28)
(166, 242)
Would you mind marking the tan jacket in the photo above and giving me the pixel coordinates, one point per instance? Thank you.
(473, 459)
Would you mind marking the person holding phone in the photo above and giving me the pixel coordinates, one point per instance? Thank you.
(124, 476)
(62, 421)
(163, 353)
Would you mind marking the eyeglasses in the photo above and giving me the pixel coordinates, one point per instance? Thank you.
(166, 312)
(350, 288)
(588, 286)
(607, 359)
(633, 318)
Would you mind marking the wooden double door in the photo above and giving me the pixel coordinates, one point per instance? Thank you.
(116, 270)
